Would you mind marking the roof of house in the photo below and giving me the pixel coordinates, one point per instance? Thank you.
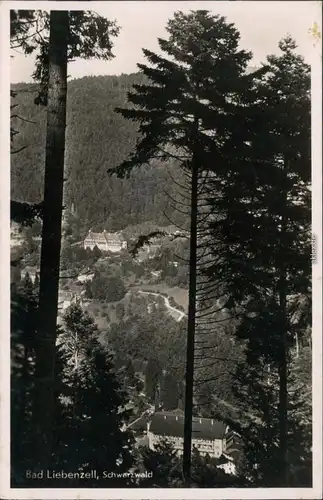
(104, 236)
(172, 424)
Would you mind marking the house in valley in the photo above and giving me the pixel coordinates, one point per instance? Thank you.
(72, 294)
(209, 436)
(85, 277)
(106, 242)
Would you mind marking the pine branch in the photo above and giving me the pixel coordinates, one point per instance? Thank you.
(146, 240)
(18, 150)
(172, 222)
(25, 213)
(175, 201)
(23, 119)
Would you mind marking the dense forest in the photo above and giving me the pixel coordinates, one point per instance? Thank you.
(97, 139)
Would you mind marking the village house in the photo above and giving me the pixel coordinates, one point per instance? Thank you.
(65, 299)
(85, 277)
(208, 435)
(106, 242)
(71, 295)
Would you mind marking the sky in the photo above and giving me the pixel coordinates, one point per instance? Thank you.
(261, 25)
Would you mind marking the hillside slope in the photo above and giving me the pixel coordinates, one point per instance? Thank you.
(97, 139)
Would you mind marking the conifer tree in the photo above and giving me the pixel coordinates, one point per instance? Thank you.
(261, 242)
(166, 467)
(59, 36)
(193, 108)
(36, 284)
(96, 252)
(164, 464)
(91, 415)
(23, 332)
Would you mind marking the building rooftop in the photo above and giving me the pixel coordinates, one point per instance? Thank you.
(172, 424)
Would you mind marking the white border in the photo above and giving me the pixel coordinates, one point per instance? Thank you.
(316, 110)
(231, 493)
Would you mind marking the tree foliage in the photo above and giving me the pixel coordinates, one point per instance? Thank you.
(24, 309)
(261, 248)
(166, 468)
(97, 139)
(198, 108)
(106, 288)
(91, 412)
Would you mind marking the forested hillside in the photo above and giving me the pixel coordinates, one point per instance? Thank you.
(97, 139)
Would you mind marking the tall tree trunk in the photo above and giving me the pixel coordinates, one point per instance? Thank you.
(51, 239)
(25, 371)
(189, 377)
(283, 398)
(283, 354)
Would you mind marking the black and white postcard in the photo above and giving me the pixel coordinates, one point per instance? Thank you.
(161, 247)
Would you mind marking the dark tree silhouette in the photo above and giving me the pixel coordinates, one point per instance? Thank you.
(179, 118)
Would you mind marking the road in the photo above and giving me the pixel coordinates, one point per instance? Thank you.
(180, 314)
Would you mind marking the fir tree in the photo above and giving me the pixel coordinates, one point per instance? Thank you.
(36, 284)
(64, 36)
(194, 111)
(261, 243)
(165, 465)
(96, 253)
(91, 415)
(24, 312)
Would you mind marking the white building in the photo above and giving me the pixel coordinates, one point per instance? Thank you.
(68, 297)
(84, 278)
(106, 242)
(208, 435)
